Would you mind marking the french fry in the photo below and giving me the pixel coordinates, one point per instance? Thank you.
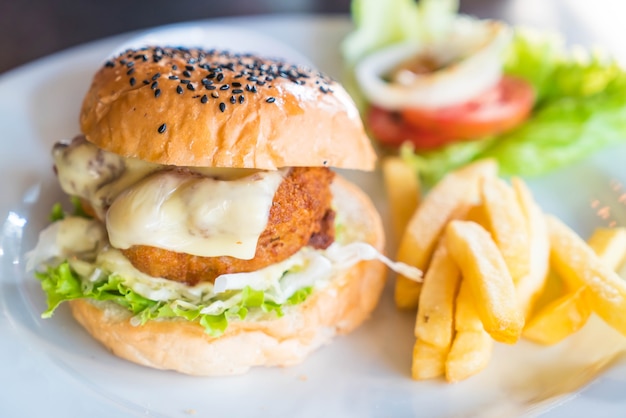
(567, 314)
(472, 346)
(559, 319)
(508, 225)
(579, 266)
(483, 266)
(530, 286)
(435, 314)
(403, 192)
(609, 244)
(470, 353)
(466, 316)
(457, 188)
(476, 213)
(428, 361)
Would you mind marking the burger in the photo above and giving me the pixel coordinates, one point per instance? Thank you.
(211, 232)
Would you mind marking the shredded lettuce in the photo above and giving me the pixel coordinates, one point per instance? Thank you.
(61, 284)
(57, 212)
(580, 97)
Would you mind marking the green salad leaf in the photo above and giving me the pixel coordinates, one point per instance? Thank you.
(580, 99)
(57, 213)
(61, 284)
(382, 23)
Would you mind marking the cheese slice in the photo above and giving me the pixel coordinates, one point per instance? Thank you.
(193, 214)
(202, 211)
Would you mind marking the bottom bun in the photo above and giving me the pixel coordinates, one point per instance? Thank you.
(183, 346)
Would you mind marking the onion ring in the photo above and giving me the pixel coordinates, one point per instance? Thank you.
(471, 56)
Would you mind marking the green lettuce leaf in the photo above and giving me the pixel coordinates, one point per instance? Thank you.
(57, 213)
(382, 23)
(580, 96)
(61, 284)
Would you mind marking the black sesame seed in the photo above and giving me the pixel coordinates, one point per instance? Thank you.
(241, 99)
(236, 84)
(132, 81)
(157, 75)
(146, 82)
(208, 87)
(204, 99)
(162, 128)
(179, 90)
(222, 107)
(174, 67)
(191, 87)
(211, 75)
(189, 67)
(157, 92)
(130, 72)
(260, 83)
(225, 87)
(109, 64)
(237, 91)
(270, 99)
(220, 77)
(233, 100)
(184, 81)
(154, 85)
(173, 77)
(186, 73)
(130, 64)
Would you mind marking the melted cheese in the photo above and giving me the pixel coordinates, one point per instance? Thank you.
(194, 214)
(95, 175)
(202, 211)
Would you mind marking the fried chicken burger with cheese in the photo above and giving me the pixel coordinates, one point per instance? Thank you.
(212, 234)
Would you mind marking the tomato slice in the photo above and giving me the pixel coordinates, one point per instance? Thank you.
(390, 129)
(501, 108)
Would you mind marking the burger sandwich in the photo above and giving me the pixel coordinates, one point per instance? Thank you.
(211, 233)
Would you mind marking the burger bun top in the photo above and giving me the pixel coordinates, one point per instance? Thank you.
(208, 108)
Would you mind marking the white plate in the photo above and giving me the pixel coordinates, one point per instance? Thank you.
(52, 368)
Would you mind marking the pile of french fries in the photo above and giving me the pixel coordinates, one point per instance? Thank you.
(496, 268)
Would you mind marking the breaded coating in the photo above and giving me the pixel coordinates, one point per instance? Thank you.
(301, 214)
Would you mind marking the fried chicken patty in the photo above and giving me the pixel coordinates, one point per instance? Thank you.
(301, 214)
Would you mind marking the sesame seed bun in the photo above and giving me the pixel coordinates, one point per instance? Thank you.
(190, 107)
(183, 346)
